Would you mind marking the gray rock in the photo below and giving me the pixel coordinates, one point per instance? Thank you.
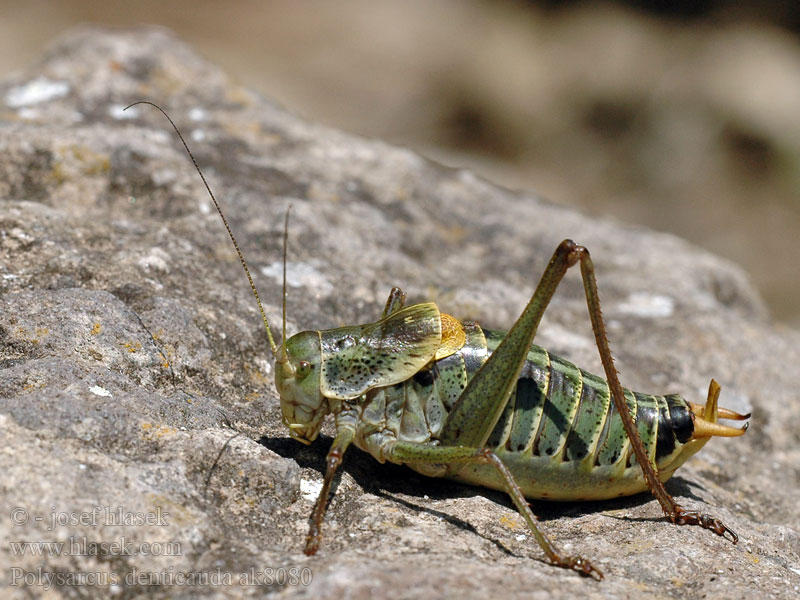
(136, 381)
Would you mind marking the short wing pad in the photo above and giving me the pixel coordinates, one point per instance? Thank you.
(359, 358)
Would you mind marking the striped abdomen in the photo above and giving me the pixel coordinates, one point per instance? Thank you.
(560, 411)
(560, 434)
(563, 438)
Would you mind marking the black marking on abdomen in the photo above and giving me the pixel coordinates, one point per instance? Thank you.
(646, 417)
(554, 424)
(426, 377)
(665, 444)
(576, 448)
(528, 398)
(681, 416)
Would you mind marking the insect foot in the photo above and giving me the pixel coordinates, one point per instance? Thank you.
(684, 517)
(581, 565)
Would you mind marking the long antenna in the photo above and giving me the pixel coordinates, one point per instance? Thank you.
(284, 358)
(273, 346)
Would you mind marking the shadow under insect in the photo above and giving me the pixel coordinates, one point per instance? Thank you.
(418, 493)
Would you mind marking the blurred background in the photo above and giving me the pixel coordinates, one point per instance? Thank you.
(681, 116)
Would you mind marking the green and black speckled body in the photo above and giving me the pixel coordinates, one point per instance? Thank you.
(560, 434)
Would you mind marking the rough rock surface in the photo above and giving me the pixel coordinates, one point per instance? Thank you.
(136, 380)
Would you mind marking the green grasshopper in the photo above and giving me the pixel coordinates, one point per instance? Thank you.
(451, 399)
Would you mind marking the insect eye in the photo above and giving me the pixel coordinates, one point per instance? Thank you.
(303, 369)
